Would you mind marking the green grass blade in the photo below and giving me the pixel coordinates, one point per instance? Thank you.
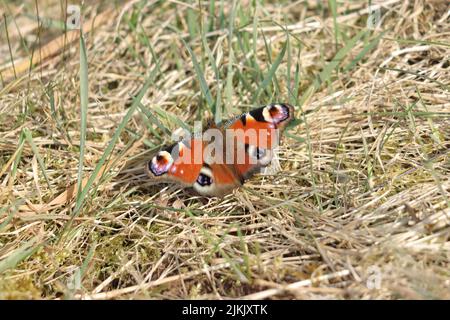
(201, 78)
(294, 93)
(212, 62)
(108, 151)
(333, 9)
(171, 117)
(29, 139)
(84, 87)
(326, 73)
(154, 120)
(18, 156)
(372, 44)
(228, 94)
(212, 5)
(12, 210)
(18, 255)
(192, 19)
(271, 74)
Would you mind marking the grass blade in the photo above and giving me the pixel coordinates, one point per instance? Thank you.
(84, 87)
(333, 9)
(201, 78)
(29, 139)
(372, 44)
(18, 255)
(111, 146)
(270, 75)
(325, 74)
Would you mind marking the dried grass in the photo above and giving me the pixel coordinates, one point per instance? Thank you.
(364, 190)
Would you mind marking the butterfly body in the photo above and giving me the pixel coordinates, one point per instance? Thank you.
(224, 156)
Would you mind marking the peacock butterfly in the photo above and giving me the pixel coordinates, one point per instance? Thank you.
(216, 161)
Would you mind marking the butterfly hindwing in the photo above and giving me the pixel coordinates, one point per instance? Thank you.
(184, 163)
(217, 180)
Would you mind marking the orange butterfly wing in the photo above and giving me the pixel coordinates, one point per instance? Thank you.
(266, 123)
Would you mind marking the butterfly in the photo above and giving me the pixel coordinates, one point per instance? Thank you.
(221, 158)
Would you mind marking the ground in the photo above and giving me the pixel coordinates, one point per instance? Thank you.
(359, 210)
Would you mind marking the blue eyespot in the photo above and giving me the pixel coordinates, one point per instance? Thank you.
(204, 180)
